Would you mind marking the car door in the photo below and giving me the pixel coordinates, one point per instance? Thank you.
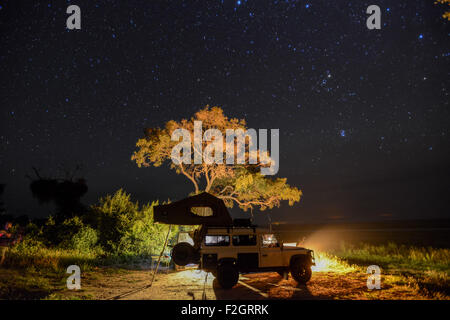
(270, 251)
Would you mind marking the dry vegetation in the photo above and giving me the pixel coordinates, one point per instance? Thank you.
(407, 273)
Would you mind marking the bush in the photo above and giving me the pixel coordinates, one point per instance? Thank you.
(116, 229)
(113, 216)
(84, 240)
(126, 229)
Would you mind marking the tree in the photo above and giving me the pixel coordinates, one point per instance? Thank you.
(446, 14)
(65, 192)
(241, 184)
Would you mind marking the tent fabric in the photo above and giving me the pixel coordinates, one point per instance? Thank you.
(180, 213)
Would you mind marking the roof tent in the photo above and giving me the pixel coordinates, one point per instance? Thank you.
(202, 209)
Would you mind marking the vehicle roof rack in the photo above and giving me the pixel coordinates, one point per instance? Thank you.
(242, 223)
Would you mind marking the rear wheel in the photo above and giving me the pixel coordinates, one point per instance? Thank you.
(301, 271)
(227, 275)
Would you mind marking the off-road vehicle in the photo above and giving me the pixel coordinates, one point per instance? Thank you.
(226, 248)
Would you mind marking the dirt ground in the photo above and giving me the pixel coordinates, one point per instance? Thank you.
(190, 285)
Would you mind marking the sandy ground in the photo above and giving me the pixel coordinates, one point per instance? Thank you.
(190, 285)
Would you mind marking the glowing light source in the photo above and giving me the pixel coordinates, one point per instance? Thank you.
(329, 263)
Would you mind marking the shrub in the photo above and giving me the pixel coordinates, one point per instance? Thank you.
(84, 240)
(126, 229)
(115, 230)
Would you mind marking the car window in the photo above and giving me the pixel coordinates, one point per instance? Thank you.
(269, 241)
(202, 211)
(217, 240)
(244, 240)
(185, 237)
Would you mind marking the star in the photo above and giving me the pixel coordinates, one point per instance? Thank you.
(135, 68)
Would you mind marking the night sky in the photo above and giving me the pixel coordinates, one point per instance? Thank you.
(363, 114)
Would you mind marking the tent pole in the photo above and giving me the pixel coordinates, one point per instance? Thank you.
(162, 252)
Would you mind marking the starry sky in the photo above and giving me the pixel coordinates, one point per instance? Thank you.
(363, 114)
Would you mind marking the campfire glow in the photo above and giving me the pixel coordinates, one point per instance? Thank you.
(329, 263)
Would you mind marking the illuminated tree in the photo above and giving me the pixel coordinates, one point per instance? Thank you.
(241, 184)
(446, 14)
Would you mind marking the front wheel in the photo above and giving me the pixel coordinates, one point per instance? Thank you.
(227, 275)
(301, 271)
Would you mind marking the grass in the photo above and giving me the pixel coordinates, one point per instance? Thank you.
(48, 258)
(24, 284)
(393, 256)
(25, 255)
(38, 272)
(425, 268)
(33, 271)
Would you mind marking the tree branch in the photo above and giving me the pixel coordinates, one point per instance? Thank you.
(190, 178)
(249, 203)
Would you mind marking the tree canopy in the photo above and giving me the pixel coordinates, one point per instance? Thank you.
(446, 14)
(237, 183)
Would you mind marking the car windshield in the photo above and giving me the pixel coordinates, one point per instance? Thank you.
(244, 240)
(217, 240)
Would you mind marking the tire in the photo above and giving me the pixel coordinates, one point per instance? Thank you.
(227, 275)
(301, 271)
(183, 253)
